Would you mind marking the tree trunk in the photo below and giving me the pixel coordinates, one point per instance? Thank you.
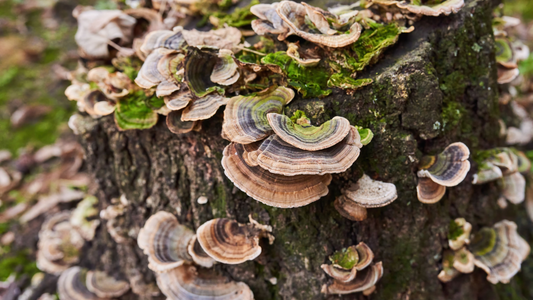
(436, 86)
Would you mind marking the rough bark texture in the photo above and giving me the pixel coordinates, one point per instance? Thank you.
(436, 86)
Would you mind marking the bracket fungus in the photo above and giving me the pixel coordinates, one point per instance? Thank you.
(165, 241)
(228, 241)
(198, 254)
(459, 233)
(189, 283)
(499, 251)
(279, 157)
(371, 193)
(351, 270)
(59, 244)
(176, 125)
(203, 108)
(449, 168)
(71, 285)
(349, 209)
(301, 134)
(272, 189)
(225, 71)
(82, 217)
(428, 8)
(105, 286)
(245, 117)
(513, 187)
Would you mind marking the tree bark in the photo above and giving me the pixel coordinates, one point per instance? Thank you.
(436, 86)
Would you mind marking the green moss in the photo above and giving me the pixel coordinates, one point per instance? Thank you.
(452, 114)
(309, 81)
(219, 204)
(19, 264)
(345, 82)
(346, 258)
(133, 112)
(298, 115)
(372, 43)
(241, 16)
(526, 66)
(454, 230)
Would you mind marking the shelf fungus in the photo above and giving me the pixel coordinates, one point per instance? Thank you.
(199, 65)
(177, 126)
(499, 251)
(303, 60)
(167, 39)
(447, 169)
(105, 286)
(245, 117)
(225, 71)
(228, 241)
(198, 254)
(302, 135)
(459, 233)
(371, 193)
(189, 283)
(72, 285)
(203, 108)
(272, 189)
(349, 209)
(84, 219)
(352, 271)
(179, 100)
(165, 241)
(428, 8)
(59, 244)
(513, 187)
(279, 157)
(429, 192)
(364, 281)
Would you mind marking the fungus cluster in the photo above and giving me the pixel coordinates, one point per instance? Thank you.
(181, 257)
(436, 172)
(77, 283)
(159, 68)
(352, 271)
(505, 166)
(497, 250)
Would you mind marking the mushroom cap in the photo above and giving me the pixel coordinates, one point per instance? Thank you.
(339, 274)
(224, 38)
(448, 272)
(167, 39)
(428, 191)
(458, 242)
(132, 112)
(104, 286)
(293, 53)
(269, 20)
(228, 242)
(463, 261)
(499, 251)
(198, 254)
(363, 281)
(366, 135)
(366, 256)
(203, 108)
(149, 75)
(449, 168)
(272, 189)
(245, 117)
(226, 71)
(81, 217)
(104, 108)
(506, 75)
(504, 53)
(165, 242)
(523, 162)
(59, 244)
(71, 285)
(294, 15)
(308, 137)
(187, 283)
(199, 64)
(447, 7)
(179, 100)
(513, 187)
(505, 159)
(176, 125)
(371, 193)
(487, 172)
(279, 157)
(349, 209)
